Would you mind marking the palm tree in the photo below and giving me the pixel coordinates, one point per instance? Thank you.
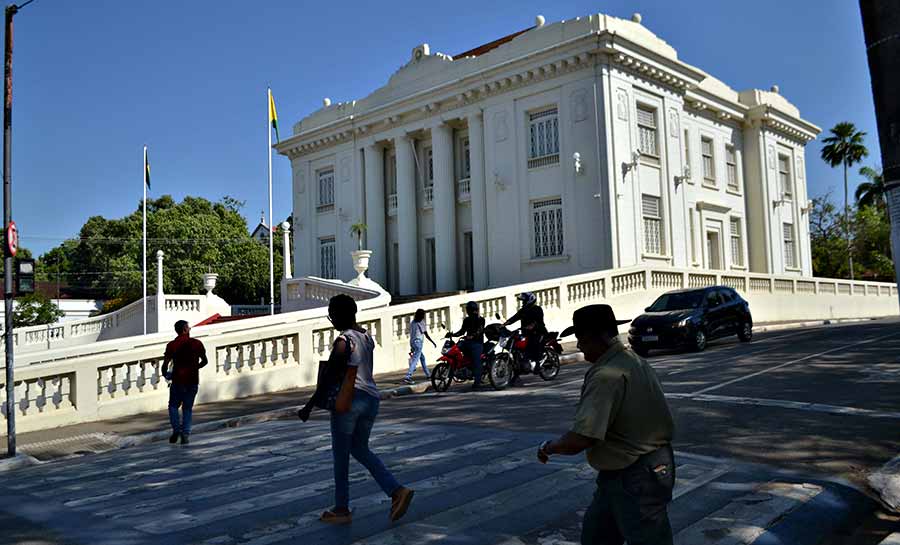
(845, 147)
(871, 192)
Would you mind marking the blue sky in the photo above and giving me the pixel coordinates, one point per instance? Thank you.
(95, 80)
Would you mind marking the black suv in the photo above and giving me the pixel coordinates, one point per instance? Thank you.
(690, 318)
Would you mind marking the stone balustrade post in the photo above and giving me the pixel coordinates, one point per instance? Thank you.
(159, 272)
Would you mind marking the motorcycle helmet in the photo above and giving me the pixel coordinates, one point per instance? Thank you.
(527, 298)
(471, 308)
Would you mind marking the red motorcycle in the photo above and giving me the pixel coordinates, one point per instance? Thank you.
(548, 366)
(454, 365)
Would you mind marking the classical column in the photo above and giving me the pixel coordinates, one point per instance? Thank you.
(444, 209)
(375, 229)
(407, 221)
(286, 229)
(478, 202)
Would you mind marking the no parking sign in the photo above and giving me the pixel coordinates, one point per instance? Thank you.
(12, 238)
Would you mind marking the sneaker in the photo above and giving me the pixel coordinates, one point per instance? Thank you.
(407, 380)
(400, 501)
(332, 517)
(185, 439)
(174, 437)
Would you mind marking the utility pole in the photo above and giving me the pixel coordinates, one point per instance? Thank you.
(881, 27)
(11, 10)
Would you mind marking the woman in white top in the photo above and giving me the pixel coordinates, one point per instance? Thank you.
(355, 410)
(418, 332)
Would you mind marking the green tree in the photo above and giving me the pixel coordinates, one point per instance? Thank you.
(872, 192)
(871, 241)
(35, 309)
(195, 235)
(845, 147)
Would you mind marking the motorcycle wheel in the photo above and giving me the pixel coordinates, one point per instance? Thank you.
(550, 368)
(441, 377)
(500, 372)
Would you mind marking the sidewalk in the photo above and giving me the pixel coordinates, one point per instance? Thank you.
(105, 435)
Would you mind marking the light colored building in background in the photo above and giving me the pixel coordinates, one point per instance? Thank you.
(566, 148)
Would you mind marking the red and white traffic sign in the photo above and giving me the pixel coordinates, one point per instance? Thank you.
(12, 238)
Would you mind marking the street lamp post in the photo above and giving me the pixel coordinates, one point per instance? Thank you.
(11, 10)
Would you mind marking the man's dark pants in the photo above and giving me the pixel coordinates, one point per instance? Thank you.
(474, 350)
(181, 395)
(630, 504)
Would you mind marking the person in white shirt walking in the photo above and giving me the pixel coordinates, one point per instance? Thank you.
(418, 332)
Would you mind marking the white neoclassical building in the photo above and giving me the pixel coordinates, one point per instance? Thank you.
(565, 148)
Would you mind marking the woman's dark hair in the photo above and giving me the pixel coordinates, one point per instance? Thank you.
(419, 316)
(342, 311)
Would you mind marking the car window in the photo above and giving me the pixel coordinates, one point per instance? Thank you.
(682, 300)
(712, 298)
(726, 295)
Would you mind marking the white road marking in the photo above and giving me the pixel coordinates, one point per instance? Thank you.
(786, 404)
(792, 362)
(746, 518)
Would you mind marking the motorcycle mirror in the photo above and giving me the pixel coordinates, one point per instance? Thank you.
(497, 315)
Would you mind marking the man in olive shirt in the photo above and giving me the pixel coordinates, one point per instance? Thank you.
(624, 423)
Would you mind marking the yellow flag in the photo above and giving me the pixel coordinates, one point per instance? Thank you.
(273, 115)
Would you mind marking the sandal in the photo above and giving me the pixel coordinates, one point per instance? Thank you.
(331, 517)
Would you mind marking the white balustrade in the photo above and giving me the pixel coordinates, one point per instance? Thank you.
(463, 190)
(428, 194)
(120, 377)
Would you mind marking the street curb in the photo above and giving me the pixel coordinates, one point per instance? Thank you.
(18, 462)
(811, 323)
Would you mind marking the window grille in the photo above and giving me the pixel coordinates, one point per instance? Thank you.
(709, 169)
(646, 120)
(543, 134)
(790, 258)
(731, 164)
(326, 258)
(784, 176)
(326, 189)
(737, 246)
(652, 225)
(547, 218)
(466, 166)
(429, 166)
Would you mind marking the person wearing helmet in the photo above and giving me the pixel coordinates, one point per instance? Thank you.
(472, 343)
(532, 317)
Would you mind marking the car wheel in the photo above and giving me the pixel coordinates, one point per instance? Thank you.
(745, 333)
(700, 340)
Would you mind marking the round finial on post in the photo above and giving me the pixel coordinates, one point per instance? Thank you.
(775, 89)
(539, 21)
(326, 102)
(159, 254)
(286, 226)
(636, 17)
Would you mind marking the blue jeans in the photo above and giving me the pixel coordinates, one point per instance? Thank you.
(474, 350)
(181, 395)
(350, 435)
(416, 358)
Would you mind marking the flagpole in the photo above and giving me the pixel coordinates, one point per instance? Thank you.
(271, 234)
(144, 260)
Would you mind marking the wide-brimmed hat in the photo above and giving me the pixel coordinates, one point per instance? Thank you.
(592, 318)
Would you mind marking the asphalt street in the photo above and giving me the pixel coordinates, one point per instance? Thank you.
(773, 441)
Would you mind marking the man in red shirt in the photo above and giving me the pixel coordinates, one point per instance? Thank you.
(188, 355)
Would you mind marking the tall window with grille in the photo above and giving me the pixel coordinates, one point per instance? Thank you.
(784, 176)
(390, 177)
(543, 138)
(647, 137)
(687, 154)
(547, 223)
(709, 164)
(790, 253)
(326, 189)
(737, 243)
(428, 176)
(465, 164)
(731, 168)
(653, 239)
(326, 258)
